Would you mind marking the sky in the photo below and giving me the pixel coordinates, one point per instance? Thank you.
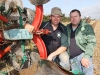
(87, 7)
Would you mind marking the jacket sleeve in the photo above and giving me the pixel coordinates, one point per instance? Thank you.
(91, 41)
(64, 38)
(64, 41)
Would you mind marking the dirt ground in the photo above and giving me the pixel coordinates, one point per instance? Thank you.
(96, 56)
(32, 70)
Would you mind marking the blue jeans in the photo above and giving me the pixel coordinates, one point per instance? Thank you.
(64, 60)
(76, 65)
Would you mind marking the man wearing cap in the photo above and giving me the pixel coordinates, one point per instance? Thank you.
(56, 41)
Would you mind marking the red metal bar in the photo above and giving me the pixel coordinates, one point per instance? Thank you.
(1, 36)
(3, 18)
(37, 39)
(3, 52)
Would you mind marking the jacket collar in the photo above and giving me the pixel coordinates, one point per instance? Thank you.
(58, 28)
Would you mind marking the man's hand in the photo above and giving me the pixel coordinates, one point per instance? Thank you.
(29, 27)
(85, 62)
(40, 32)
(50, 57)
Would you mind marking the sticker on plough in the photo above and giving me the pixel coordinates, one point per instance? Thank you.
(17, 34)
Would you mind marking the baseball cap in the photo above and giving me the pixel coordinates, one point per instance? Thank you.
(56, 11)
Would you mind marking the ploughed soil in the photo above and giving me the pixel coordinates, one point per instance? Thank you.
(5, 66)
(96, 56)
(30, 71)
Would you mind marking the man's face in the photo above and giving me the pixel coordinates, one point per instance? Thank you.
(75, 18)
(55, 19)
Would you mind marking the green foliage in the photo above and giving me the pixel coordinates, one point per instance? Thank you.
(64, 19)
(45, 18)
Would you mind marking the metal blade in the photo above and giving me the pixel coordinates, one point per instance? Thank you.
(38, 2)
